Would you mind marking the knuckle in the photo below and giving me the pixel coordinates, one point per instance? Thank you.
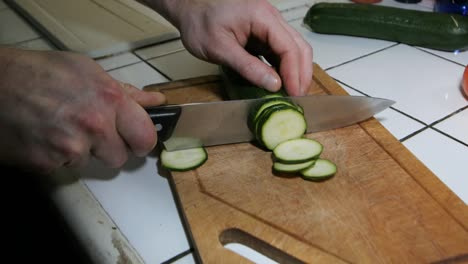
(110, 92)
(74, 150)
(94, 124)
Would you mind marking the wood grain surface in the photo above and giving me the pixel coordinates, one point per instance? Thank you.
(383, 205)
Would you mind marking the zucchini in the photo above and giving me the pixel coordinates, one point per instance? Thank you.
(284, 119)
(297, 150)
(183, 160)
(321, 170)
(295, 167)
(440, 31)
(237, 88)
(278, 124)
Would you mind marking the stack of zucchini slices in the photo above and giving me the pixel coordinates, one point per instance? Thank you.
(279, 125)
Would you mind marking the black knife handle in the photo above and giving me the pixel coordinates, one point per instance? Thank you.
(164, 119)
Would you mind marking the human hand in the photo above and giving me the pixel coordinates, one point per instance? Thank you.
(59, 109)
(228, 32)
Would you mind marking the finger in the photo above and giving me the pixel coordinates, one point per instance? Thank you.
(145, 99)
(305, 56)
(249, 66)
(108, 146)
(273, 33)
(136, 128)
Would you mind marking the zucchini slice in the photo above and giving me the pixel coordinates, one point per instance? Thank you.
(283, 167)
(297, 150)
(183, 160)
(321, 170)
(280, 124)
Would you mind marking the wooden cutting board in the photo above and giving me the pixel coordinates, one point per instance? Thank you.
(382, 206)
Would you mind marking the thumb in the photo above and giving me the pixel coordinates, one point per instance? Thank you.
(143, 98)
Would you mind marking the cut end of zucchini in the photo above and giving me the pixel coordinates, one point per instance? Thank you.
(321, 170)
(280, 126)
(183, 160)
(297, 150)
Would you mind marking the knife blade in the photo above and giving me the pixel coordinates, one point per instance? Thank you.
(214, 123)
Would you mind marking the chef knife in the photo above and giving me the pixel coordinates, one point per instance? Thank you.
(214, 123)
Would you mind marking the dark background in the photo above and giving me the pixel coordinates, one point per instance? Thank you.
(33, 229)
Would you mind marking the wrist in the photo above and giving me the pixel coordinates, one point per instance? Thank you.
(169, 9)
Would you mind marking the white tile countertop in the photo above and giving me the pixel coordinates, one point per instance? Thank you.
(131, 213)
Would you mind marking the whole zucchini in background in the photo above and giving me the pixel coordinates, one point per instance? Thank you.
(440, 31)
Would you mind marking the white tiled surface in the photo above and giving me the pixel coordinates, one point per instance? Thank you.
(36, 44)
(460, 57)
(332, 50)
(445, 157)
(139, 75)
(398, 124)
(2, 5)
(456, 126)
(160, 50)
(182, 65)
(9, 20)
(118, 61)
(141, 203)
(408, 75)
(425, 83)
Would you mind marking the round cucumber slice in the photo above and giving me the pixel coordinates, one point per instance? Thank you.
(321, 170)
(297, 150)
(183, 160)
(280, 124)
(283, 167)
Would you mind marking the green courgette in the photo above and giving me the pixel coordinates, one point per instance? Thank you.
(278, 124)
(297, 150)
(183, 160)
(321, 170)
(440, 31)
(295, 167)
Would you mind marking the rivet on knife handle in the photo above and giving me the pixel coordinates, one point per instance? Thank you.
(164, 119)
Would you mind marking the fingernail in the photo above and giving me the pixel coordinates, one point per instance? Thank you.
(270, 82)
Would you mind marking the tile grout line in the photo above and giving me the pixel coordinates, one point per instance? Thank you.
(152, 66)
(25, 41)
(426, 126)
(448, 116)
(391, 107)
(451, 137)
(165, 54)
(413, 134)
(178, 256)
(123, 66)
(436, 55)
(361, 57)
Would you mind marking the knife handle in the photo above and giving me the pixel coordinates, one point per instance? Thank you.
(164, 119)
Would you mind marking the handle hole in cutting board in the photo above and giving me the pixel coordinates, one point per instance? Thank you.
(249, 246)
